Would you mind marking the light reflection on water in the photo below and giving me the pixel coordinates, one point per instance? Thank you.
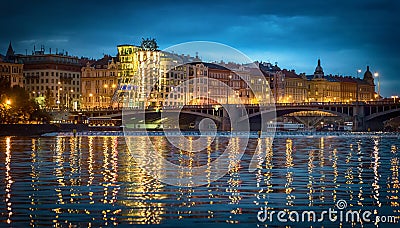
(94, 181)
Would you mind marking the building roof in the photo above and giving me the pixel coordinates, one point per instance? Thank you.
(210, 65)
(268, 67)
(328, 78)
(345, 79)
(290, 74)
(103, 62)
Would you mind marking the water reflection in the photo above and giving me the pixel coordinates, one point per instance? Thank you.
(141, 194)
(8, 179)
(94, 181)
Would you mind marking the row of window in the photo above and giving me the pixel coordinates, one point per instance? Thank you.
(39, 88)
(14, 70)
(101, 74)
(55, 95)
(42, 73)
(37, 81)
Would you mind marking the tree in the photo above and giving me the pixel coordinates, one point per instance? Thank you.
(16, 106)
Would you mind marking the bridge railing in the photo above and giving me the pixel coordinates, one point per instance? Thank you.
(382, 102)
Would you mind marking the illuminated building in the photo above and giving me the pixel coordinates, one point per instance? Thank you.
(367, 87)
(10, 69)
(323, 88)
(295, 87)
(138, 72)
(52, 79)
(168, 87)
(276, 79)
(328, 88)
(99, 82)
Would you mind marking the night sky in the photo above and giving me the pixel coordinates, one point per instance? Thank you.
(346, 35)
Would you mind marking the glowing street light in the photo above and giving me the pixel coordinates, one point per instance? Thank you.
(358, 72)
(91, 97)
(58, 96)
(376, 74)
(394, 98)
(8, 102)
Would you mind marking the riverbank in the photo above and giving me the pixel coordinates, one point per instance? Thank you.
(39, 129)
(252, 134)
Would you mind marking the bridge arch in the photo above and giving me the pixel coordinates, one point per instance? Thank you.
(287, 110)
(384, 115)
(141, 112)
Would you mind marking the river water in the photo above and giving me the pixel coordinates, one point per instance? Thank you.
(94, 181)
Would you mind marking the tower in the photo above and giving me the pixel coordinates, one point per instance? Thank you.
(368, 77)
(10, 55)
(319, 72)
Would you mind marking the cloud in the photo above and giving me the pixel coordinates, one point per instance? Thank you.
(346, 35)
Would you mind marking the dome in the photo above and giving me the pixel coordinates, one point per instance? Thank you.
(368, 76)
(319, 72)
(368, 73)
(318, 69)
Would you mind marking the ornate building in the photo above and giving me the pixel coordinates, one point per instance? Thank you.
(99, 82)
(11, 69)
(367, 87)
(322, 88)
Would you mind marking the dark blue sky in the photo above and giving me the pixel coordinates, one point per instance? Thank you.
(346, 35)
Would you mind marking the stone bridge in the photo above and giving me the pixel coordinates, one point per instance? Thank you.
(365, 114)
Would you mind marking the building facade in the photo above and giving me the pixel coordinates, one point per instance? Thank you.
(137, 73)
(295, 87)
(53, 80)
(99, 82)
(11, 69)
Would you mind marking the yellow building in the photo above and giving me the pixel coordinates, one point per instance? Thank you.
(348, 89)
(295, 87)
(330, 88)
(322, 88)
(138, 72)
(99, 82)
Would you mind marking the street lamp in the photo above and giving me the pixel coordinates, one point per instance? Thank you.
(58, 97)
(91, 98)
(394, 98)
(376, 74)
(8, 102)
(227, 89)
(69, 98)
(358, 72)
